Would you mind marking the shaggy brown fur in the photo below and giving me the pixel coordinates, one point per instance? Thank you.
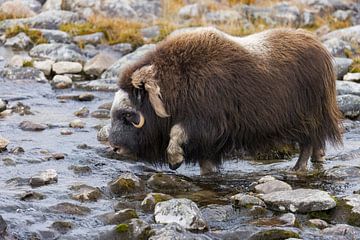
(228, 97)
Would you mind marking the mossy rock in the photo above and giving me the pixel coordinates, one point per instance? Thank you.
(169, 183)
(126, 183)
(274, 234)
(121, 228)
(36, 36)
(149, 202)
(119, 217)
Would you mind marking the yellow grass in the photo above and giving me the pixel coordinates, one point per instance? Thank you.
(35, 35)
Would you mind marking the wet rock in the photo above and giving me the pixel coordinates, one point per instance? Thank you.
(135, 229)
(354, 77)
(353, 201)
(274, 234)
(169, 183)
(19, 42)
(43, 178)
(3, 143)
(103, 134)
(350, 34)
(191, 11)
(45, 20)
(345, 87)
(58, 156)
(182, 211)
(94, 38)
(21, 109)
(66, 132)
(115, 71)
(87, 193)
(349, 105)
(54, 36)
(119, 216)
(106, 106)
(17, 150)
(106, 85)
(2, 105)
(122, 48)
(287, 219)
(23, 73)
(318, 223)
(80, 169)
(342, 230)
(82, 112)
(101, 113)
(299, 200)
(31, 195)
(98, 64)
(3, 226)
(175, 231)
(62, 226)
(57, 52)
(61, 82)
(337, 47)
(151, 199)
(70, 208)
(77, 123)
(222, 16)
(16, 9)
(86, 97)
(342, 66)
(216, 214)
(272, 186)
(244, 200)
(44, 66)
(66, 67)
(126, 183)
(31, 126)
(8, 161)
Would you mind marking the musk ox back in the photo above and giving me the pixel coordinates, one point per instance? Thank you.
(202, 94)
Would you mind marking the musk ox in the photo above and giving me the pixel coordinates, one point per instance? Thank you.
(201, 94)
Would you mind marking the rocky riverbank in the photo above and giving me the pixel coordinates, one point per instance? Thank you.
(59, 179)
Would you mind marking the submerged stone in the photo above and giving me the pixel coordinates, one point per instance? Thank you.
(70, 208)
(151, 199)
(46, 177)
(272, 186)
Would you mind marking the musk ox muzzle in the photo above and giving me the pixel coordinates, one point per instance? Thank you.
(202, 94)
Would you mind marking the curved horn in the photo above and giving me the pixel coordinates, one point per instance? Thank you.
(141, 121)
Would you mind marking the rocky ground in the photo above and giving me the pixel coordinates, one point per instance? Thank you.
(60, 179)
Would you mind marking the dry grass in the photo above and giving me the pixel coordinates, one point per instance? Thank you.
(116, 30)
(35, 35)
(355, 66)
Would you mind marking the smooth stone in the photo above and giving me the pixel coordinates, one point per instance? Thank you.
(103, 134)
(98, 64)
(61, 82)
(272, 186)
(318, 223)
(19, 60)
(77, 123)
(161, 182)
(101, 113)
(119, 216)
(58, 156)
(57, 52)
(86, 97)
(82, 112)
(44, 66)
(346, 87)
(66, 132)
(31, 126)
(93, 38)
(342, 66)
(151, 199)
(23, 73)
(31, 195)
(244, 200)
(134, 229)
(299, 200)
(349, 105)
(43, 178)
(182, 211)
(3, 143)
(86, 193)
(354, 77)
(70, 208)
(66, 67)
(80, 169)
(126, 183)
(266, 178)
(17, 150)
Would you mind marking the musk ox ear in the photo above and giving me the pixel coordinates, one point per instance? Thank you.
(145, 76)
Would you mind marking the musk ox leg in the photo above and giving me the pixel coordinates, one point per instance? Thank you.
(318, 155)
(305, 153)
(175, 153)
(207, 167)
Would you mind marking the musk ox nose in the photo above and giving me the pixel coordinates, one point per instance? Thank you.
(175, 166)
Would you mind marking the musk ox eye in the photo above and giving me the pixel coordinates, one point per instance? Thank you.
(135, 118)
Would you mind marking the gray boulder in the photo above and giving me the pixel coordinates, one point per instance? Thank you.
(342, 66)
(116, 69)
(19, 42)
(181, 211)
(349, 105)
(57, 52)
(94, 38)
(346, 87)
(54, 36)
(350, 34)
(337, 47)
(353, 77)
(98, 64)
(272, 186)
(299, 200)
(23, 73)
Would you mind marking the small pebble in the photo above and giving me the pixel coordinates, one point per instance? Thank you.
(66, 132)
(86, 97)
(77, 123)
(82, 112)
(31, 126)
(58, 156)
(46, 177)
(3, 143)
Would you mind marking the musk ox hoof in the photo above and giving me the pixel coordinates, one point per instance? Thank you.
(299, 168)
(175, 166)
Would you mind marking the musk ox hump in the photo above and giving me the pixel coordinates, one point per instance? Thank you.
(145, 76)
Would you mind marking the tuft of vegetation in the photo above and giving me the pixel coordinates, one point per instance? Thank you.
(28, 64)
(247, 2)
(355, 66)
(116, 30)
(35, 35)
(121, 228)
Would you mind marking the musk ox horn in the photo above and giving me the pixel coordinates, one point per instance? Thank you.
(141, 121)
(146, 76)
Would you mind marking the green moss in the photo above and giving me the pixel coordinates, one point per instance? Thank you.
(35, 35)
(28, 64)
(323, 215)
(121, 228)
(274, 234)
